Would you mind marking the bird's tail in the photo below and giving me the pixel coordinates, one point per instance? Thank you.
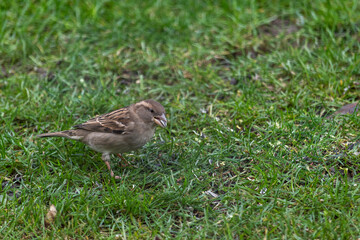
(53, 134)
(70, 134)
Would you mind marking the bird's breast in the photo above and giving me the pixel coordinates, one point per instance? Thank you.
(141, 136)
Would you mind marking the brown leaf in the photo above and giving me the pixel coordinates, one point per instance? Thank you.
(347, 109)
(50, 216)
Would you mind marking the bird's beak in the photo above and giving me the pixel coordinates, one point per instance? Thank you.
(161, 120)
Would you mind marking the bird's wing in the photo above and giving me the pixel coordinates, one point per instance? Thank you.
(113, 122)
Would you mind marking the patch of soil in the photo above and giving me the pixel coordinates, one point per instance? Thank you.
(4, 73)
(13, 185)
(279, 26)
(127, 77)
(44, 73)
(342, 30)
(225, 58)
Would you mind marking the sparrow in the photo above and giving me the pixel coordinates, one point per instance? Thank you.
(119, 131)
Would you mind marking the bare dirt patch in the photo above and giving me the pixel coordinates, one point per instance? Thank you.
(279, 26)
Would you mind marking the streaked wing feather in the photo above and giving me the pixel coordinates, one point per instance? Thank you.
(113, 122)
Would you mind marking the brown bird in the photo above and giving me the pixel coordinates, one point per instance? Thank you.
(120, 131)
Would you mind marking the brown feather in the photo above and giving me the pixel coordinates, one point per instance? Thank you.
(113, 122)
(54, 134)
(76, 134)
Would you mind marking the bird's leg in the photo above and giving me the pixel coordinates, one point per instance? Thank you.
(106, 158)
(123, 160)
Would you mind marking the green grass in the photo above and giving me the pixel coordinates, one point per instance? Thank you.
(247, 85)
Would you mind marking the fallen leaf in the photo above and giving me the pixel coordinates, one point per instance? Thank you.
(50, 216)
(347, 109)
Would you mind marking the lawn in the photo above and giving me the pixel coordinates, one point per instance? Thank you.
(252, 149)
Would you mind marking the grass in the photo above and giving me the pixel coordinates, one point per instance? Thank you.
(247, 85)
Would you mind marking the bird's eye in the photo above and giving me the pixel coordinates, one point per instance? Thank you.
(151, 110)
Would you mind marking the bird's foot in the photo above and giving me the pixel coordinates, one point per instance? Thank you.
(109, 167)
(113, 175)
